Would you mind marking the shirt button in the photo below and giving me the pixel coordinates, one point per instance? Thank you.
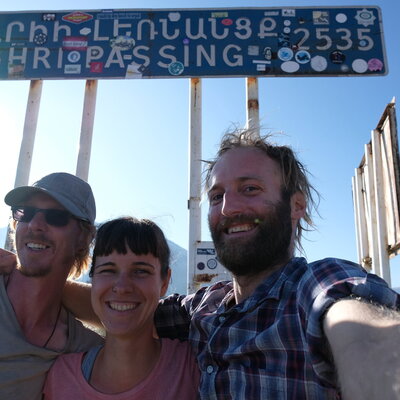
(221, 319)
(210, 369)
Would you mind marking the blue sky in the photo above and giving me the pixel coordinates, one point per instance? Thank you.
(139, 161)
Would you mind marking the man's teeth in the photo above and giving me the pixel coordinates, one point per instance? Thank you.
(240, 228)
(123, 306)
(36, 246)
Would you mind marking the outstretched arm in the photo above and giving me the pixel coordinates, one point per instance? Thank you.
(76, 297)
(365, 343)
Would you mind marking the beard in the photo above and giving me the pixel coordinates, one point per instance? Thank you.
(36, 273)
(265, 250)
(33, 265)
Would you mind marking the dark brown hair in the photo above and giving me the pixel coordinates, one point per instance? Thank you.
(141, 236)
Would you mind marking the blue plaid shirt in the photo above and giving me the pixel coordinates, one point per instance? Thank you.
(270, 346)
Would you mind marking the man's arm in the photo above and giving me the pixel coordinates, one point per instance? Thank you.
(365, 343)
(172, 318)
(76, 297)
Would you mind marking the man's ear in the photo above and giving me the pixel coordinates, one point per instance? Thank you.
(298, 206)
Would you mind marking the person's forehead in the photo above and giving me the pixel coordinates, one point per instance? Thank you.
(129, 258)
(245, 161)
(42, 199)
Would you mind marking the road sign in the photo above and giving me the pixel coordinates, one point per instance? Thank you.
(101, 44)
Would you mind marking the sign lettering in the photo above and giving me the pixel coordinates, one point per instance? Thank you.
(101, 44)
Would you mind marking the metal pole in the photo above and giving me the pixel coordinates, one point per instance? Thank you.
(252, 114)
(371, 209)
(360, 219)
(195, 132)
(85, 144)
(27, 145)
(28, 138)
(380, 208)
(356, 214)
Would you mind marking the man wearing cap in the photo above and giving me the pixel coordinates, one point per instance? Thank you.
(54, 228)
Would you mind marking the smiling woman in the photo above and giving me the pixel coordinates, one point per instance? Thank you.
(130, 272)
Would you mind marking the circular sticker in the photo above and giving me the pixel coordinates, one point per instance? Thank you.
(359, 65)
(375, 64)
(341, 18)
(212, 263)
(40, 38)
(227, 22)
(363, 43)
(285, 54)
(302, 57)
(319, 63)
(175, 68)
(290, 66)
(73, 56)
(174, 16)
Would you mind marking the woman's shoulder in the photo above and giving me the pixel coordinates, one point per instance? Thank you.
(172, 345)
(68, 359)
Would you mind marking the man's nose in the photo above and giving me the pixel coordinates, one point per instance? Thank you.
(231, 204)
(38, 222)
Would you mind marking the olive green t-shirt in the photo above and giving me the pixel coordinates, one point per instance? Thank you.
(23, 366)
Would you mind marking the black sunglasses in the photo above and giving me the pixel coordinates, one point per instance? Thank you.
(53, 216)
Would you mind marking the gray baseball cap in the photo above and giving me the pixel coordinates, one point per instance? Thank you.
(74, 194)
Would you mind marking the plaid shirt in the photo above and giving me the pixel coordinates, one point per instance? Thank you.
(270, 346)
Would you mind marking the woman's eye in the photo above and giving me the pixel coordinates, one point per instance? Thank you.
(104, 271)
(142, 272)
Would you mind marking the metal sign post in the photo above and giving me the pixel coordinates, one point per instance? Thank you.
(252, 114)
(29, 133)
(382, 267)
(195, 132)
(27, 144)
(85, 145)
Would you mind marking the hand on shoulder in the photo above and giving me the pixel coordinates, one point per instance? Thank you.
(8, 261)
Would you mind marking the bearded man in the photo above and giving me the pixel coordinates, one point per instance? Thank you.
(283, 328)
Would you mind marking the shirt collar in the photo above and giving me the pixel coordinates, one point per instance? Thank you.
(270, 288)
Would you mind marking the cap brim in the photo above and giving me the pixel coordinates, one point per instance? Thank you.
(20, 194)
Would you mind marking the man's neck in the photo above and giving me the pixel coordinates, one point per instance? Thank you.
(36, 302)
(244, 286)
